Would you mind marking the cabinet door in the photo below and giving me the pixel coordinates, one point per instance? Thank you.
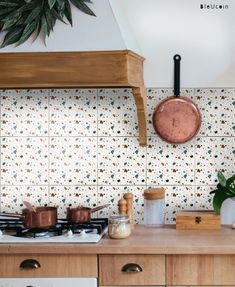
(209, 270)
(48, 265)
(134, 270)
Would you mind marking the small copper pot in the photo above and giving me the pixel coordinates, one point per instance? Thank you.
(82, 214)
(42, 217)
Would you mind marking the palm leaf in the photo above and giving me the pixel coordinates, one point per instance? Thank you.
(33, 15)
(68, 13)
(83, 7)
(12, 36)
(27, 32)
(51, 3)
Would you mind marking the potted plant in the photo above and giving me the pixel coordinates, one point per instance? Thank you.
(224, 198)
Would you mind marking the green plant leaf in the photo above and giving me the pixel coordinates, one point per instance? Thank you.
(33, 14)
(10, 23)
(214, 191)
(57, 16)
(44, 28)
(218, 199)
(51, 3)
(8, 4)
(231, 180)
(68, 13)
(4, 12)
(221, 178)
(12, 36)
(27, 32)
(224, 190)
(38, 30)
(82, 6)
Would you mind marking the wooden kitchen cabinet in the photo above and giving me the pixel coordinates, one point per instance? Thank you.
(51, 265)
(196, 270)
(152, 274)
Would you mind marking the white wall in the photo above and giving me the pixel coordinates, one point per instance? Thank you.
(157, 29)
(204, 38)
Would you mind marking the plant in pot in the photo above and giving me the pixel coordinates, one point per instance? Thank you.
(224, 198)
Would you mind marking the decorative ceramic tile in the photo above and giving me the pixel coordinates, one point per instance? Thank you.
(72, 196)
(203, 198)
(217, 109)
(211, 155)
(73, 112)
(155, 96)
(24, 161)
(178, 198)
(121, 161)
(24, 112)
(117, 114)
(112, 194)
(169, 164)
(12, 197)
(73, 161)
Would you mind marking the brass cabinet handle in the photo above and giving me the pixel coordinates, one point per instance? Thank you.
(132, 268)
(30, 264)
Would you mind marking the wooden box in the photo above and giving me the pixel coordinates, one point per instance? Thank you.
(197, 220)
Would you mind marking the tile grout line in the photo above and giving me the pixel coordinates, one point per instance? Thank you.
(1, 150)
(97, 147)
(48, 148)
(112, 136)
(194, 157)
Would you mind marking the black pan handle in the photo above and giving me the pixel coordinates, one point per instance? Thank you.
(177, 59)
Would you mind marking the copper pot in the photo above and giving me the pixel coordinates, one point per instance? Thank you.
(82, 214)
(42, 217)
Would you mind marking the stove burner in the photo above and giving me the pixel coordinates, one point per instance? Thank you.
(16, 228)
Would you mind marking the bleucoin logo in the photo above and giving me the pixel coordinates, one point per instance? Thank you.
(214, 6)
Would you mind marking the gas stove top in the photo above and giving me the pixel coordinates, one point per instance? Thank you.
(13, 231)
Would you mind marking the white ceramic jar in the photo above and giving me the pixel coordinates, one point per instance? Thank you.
(119, 226)
(154, 207)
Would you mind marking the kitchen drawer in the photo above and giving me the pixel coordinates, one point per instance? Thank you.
(207, 270)
(52, 265)
(111, 274)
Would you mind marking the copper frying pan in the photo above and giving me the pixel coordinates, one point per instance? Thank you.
(176, 119)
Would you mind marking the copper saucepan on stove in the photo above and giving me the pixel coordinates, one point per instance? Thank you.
(82, 214)
(41, 217)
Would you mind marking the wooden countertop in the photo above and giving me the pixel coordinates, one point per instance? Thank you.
(143, 240)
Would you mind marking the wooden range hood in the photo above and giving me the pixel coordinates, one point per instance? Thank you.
(103, 69)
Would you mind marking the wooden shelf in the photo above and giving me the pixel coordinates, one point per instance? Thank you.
(104, 69)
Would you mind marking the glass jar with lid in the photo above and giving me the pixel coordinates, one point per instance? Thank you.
(119, 226)
(154, 207)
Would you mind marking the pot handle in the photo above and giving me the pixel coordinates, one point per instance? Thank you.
(99, 207)
(21, 216)
(177, 59)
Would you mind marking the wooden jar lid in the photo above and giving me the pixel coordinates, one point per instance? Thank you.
(154, 193)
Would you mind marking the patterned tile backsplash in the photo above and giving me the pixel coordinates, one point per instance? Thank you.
(80, 147)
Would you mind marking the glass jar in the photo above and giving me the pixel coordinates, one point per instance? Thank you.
(154, 207)
(119, 226)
